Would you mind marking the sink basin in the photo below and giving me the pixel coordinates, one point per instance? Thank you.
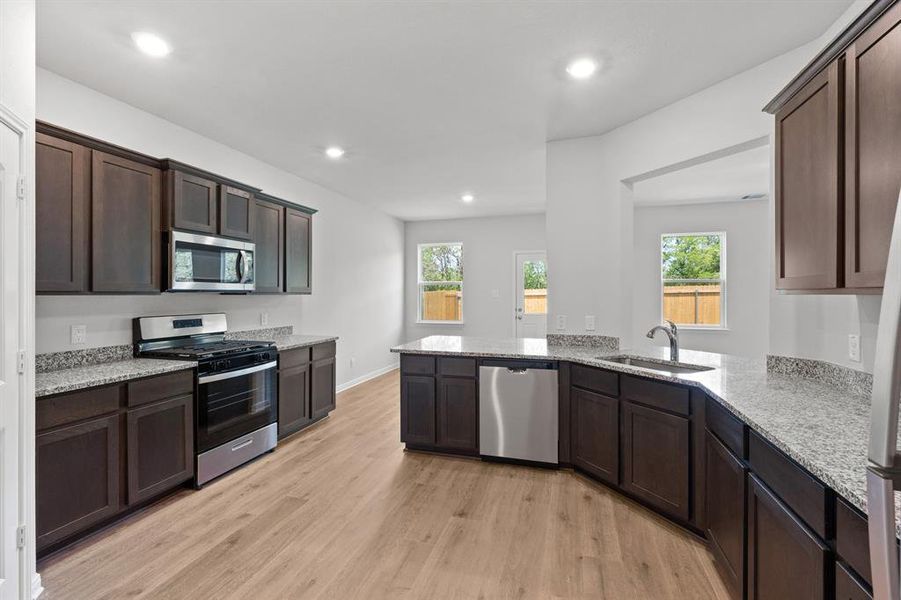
(664, 366)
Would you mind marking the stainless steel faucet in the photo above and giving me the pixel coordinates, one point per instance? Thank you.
(673, 334)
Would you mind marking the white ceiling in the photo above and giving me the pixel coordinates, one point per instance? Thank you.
(719, 180)
(431, 99)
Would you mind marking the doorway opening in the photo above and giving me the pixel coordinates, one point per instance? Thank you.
(530, 294)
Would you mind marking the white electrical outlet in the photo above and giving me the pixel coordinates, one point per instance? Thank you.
(353, 362)
(78, 334)
(561, 322)
(589, 322)
(495, 293)
(264, 318)
(854, 347)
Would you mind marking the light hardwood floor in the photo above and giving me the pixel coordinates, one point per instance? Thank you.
(341, 511)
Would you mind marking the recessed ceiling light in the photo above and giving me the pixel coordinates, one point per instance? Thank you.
(151, 44)
(467, 197)
(582, 68)
(334, 152)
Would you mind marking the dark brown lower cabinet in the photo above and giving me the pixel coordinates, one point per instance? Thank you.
(77, 477)
(160, 447)
(786, 559)
(293, 399)
(726, 499)
(457, 414)
(417, 410)
(595, 434)
(656, 458)
(322, 384)
(848, 585)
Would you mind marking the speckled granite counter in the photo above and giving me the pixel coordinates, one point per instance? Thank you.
(291, 341)
(824, 428)
(77, 378)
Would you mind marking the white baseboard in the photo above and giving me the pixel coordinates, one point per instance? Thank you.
(366, 377)
(37, 587)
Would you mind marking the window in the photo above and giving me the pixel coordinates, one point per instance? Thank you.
(440, 280)
(693, 276)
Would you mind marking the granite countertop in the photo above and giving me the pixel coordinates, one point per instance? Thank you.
(88, 376)
(822, 427)
(291, 341)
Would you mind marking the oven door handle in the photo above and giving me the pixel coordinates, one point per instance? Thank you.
(238, 373)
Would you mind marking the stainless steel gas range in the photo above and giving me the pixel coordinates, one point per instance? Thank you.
(235, 409)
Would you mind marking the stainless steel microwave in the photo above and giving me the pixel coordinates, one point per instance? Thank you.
(206, 263)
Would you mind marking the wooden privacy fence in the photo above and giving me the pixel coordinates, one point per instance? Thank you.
(442, 305)
(535, 302)
(692, 304)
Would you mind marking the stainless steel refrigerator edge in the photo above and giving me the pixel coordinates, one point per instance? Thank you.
(884, 469)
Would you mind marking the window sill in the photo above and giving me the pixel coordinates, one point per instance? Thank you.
(420, 322)
(696, 328)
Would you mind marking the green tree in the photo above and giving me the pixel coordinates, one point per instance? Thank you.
(442, 263)
(535, 273)
(691, 257)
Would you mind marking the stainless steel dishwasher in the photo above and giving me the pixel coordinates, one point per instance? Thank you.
(518, 416)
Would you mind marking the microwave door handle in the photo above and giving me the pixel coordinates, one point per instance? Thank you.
(239, 265)
(884, 470)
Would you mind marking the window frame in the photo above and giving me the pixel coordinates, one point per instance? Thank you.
(420, 283)
(722, 326)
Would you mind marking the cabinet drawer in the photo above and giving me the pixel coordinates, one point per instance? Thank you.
(69, 408)
(848, 586)
(411, 364)
(322, 351)
(152, 389)
(595, 380)
(852, 540)
(729, 429)
(659, 395)
(293, 358)
(458, 367)
(795, 486)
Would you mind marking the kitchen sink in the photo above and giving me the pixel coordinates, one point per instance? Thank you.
(665, 366)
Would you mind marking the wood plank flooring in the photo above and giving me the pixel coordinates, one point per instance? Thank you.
(341, 511)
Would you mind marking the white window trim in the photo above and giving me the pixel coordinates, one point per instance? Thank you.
(420, 283)
(723, 326)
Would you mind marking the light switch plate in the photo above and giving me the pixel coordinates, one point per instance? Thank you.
(264, 318)
(561, 322)
(589, 322)
(854, 347)
(78, 334)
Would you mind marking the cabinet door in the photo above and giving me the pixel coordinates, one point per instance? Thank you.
(725, 503)
(269, 237)
(160, 447)
(595, 431)
(298, 252)
(125, 225)
(872, 148)
(236, 212)
(194, 202)
(458, 414)
(77, 478)
(322, 384)
(807, 186)
(293, 399)
(417, 410)
(63, 191)
(785, 558)
(656, 458)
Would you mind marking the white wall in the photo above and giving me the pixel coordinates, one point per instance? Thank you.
(589, 209)
(488, 246)
(355, 247)
(747, 273)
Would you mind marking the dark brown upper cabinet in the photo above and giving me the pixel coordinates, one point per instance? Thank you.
(808, 191)
(872, 148)
(125, 216)
(269, 237)
(192, 201)
(236, 212)
(298, 251)
(838, 159)
(62, 211)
